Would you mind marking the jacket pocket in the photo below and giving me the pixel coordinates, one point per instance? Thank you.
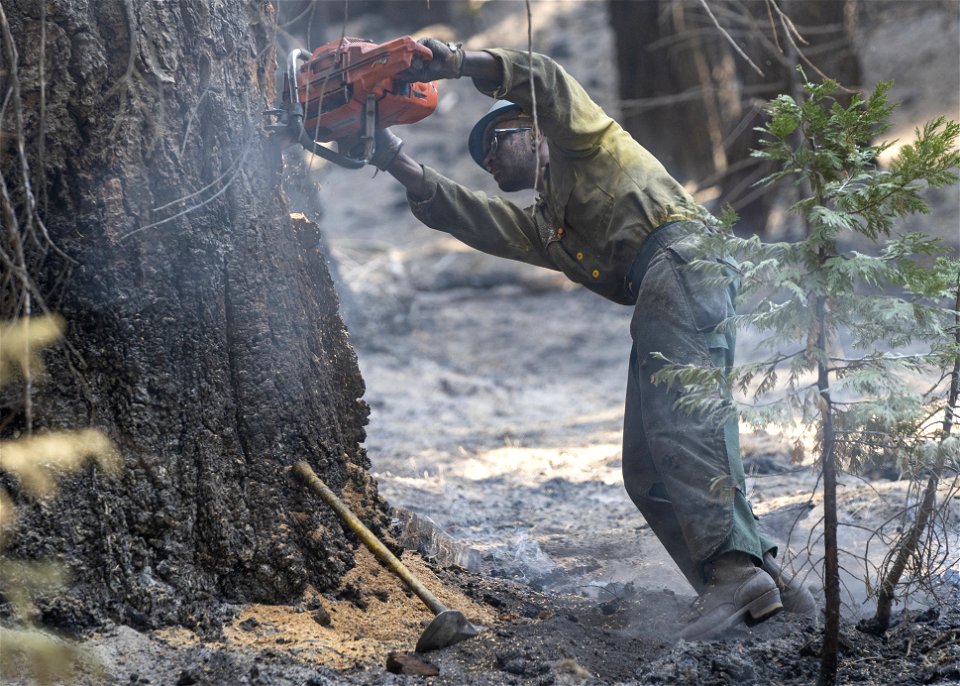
(711, 300)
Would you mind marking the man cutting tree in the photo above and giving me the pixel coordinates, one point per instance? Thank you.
(611, 218)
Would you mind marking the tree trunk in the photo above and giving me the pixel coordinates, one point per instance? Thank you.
(830, 649)
(203, 328)
(662, 97)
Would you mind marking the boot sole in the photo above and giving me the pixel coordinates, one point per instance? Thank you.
(763, 608)
(756, 611)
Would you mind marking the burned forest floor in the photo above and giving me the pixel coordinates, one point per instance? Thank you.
(496, 394)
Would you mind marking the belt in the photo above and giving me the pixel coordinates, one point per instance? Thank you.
(661, 237)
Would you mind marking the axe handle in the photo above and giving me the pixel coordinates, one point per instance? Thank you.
(303, 471)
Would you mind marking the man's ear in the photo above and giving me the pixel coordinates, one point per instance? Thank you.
(541, 142)
(537, 139)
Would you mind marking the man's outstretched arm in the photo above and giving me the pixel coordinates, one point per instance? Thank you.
(447, 64)
(482, 66)
(492, 225)
(408, 172)
(450, 61)
(566, 114)
(389, 157)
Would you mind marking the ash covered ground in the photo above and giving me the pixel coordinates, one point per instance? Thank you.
(496, 392)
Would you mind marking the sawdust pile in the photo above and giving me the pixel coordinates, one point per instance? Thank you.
(369, 615)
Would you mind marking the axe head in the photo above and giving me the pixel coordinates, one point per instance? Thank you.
(447, 628)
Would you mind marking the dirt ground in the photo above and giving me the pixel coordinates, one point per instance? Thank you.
(496, 392)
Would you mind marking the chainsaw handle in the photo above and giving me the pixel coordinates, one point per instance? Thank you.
(296, 109)
(293, 126)
(292, 85)
(326, 153)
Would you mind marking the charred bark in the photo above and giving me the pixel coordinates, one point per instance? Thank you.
(203, 328)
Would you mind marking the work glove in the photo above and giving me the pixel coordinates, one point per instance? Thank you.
(447, 62)
(386, 146)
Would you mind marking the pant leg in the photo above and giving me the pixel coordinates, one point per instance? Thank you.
(683, 470)
(643, 484)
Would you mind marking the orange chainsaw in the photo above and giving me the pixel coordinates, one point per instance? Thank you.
(344, 91)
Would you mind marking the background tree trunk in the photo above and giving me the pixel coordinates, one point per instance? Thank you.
(203, 329)
(661, 82)
(679, 74)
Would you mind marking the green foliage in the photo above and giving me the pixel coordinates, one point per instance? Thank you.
(891, 305)
(893, 299)
(33, 463)
(859, 347)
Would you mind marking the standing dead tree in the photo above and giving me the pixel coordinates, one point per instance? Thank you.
(140, 200)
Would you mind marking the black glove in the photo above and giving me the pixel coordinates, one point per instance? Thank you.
(447, 62)
(386, 147)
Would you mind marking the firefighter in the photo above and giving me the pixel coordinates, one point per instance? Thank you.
(611, 218)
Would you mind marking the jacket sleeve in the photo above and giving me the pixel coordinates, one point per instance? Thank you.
(566, 114)
(489, 224)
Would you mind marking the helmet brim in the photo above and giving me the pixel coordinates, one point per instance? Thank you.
(477, 142)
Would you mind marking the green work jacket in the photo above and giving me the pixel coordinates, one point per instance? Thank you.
(603, 192)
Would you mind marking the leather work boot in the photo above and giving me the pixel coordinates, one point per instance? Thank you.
(793, 595)
(736, 592)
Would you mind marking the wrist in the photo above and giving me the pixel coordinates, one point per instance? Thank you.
(410, 174)
(388, 164)
(481, 65)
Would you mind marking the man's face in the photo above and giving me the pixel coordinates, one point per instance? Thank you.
(511, 157)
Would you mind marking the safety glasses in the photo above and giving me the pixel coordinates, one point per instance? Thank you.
(497, 133)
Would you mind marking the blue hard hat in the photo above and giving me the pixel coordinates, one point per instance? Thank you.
(480, 144)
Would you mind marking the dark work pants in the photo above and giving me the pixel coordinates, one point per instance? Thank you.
(683, 470)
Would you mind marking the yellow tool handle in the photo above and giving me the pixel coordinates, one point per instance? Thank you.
(382, 553)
